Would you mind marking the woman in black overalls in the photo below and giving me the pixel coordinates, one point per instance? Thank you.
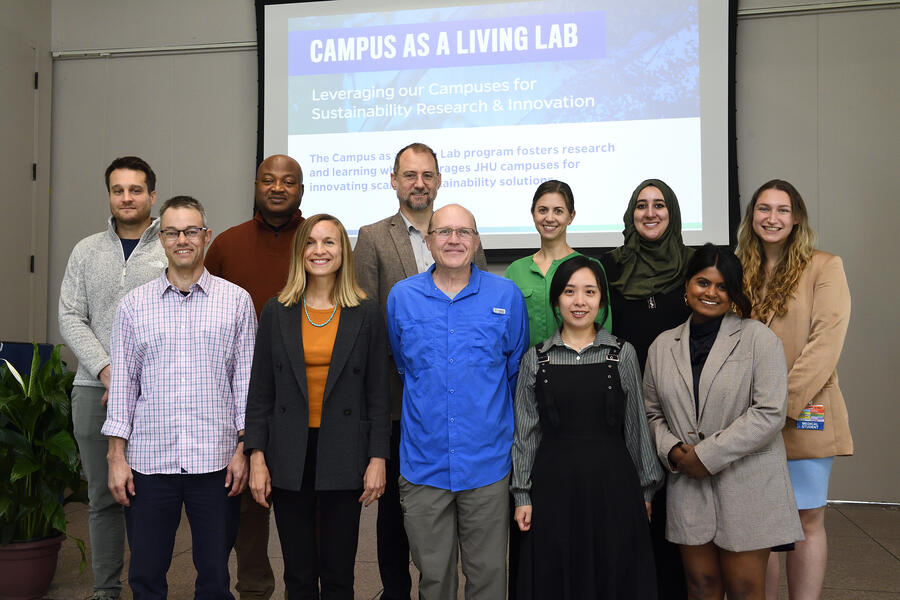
(584, 467)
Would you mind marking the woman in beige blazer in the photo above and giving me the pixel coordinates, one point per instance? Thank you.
(802, 295)
(715, 391)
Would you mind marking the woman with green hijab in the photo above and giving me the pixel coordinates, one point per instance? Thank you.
(646, 281)
(646, 273)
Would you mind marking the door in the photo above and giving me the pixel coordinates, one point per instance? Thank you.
(17, 189)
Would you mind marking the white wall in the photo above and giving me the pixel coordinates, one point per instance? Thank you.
(817, 98)
(191, 116)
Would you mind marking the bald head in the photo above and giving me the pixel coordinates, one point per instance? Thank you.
(279, 188)
(454, 211)
(452, 238)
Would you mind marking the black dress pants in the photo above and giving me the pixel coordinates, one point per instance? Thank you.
(295, 517)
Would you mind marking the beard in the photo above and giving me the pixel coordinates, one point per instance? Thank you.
(135, 217)
(417, 205)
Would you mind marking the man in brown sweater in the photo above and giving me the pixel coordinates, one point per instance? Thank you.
(256, 255)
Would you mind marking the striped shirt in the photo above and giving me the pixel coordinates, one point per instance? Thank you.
(180, 367)
(528, 432)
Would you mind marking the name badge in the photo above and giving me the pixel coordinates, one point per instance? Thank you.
(812, 417)
(499, 311)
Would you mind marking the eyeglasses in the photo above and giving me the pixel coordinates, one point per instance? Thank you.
(464, 233)
(191, 233)
(412, 176)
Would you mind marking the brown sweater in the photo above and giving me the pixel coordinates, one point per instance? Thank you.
(255, 256)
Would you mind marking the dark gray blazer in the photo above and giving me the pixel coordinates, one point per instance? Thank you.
(383, 256)
(355, 413)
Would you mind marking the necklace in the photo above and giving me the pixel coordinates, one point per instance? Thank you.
(311, 322)
(577, 347)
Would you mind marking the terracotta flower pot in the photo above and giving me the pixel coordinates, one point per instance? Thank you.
(27, 568)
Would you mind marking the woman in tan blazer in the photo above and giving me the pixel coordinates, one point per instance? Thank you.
(802, 295)
(715, 391)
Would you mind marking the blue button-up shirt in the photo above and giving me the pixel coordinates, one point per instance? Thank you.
(459, 358)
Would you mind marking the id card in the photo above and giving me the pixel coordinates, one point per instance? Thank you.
(812, 417)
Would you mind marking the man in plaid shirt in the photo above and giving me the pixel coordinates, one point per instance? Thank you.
(181, 349)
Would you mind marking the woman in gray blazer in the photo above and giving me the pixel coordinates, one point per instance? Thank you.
(715, 391)
(318, 418)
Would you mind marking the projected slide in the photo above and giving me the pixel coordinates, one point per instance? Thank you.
(600, 94)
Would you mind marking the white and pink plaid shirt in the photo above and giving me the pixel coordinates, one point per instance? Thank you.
(180, 366)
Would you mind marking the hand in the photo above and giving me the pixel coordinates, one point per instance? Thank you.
(121, 479)
(237, 472)
(373, 481)
(649, 508)
(103, 376)
(675, 455)
(260, 481)
(690, 464)
(522, 517)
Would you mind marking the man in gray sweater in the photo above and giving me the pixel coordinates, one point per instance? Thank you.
(102, 268)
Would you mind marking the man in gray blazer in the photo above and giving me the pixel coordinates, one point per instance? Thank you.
(387, 252)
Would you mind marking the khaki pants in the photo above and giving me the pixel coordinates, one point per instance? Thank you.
(442, 524)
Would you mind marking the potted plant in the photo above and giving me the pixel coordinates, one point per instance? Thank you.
(38, 465)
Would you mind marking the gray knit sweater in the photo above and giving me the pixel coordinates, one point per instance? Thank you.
(97, 277)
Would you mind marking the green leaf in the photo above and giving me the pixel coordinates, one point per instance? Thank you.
(62, 445)
(35, 365)
(38, 454)
(15, 440)
(80, 543)
(22, 468)
(15, 374)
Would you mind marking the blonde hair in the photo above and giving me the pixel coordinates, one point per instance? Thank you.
(346, 292)
(795, 255)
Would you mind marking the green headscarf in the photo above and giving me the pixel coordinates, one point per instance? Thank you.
(655, 267)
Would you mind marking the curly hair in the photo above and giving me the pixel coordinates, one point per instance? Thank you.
(770, 295)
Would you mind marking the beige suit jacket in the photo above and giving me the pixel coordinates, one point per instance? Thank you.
(747, 503)
(383, 256)
(812, 332)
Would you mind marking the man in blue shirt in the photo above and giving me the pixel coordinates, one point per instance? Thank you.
(457, 334)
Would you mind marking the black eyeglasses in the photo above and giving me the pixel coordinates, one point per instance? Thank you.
(191, 233)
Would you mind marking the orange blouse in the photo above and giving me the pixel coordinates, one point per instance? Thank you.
(318, 343)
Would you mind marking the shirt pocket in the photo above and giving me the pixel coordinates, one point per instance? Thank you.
(485, 339)
(534, 301)
(418, 340)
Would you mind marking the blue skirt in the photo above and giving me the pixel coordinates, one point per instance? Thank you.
(809, 477)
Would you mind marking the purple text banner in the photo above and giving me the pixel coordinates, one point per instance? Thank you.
(532, 38)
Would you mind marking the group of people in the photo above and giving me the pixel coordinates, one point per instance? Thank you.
(658, 423)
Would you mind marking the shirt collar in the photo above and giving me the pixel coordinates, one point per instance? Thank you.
(203, 284)
(148, 233)
(603, 338)
(471, 288)
(409, 224)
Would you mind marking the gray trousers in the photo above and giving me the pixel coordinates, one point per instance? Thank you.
(440, 524)
(106, 521)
